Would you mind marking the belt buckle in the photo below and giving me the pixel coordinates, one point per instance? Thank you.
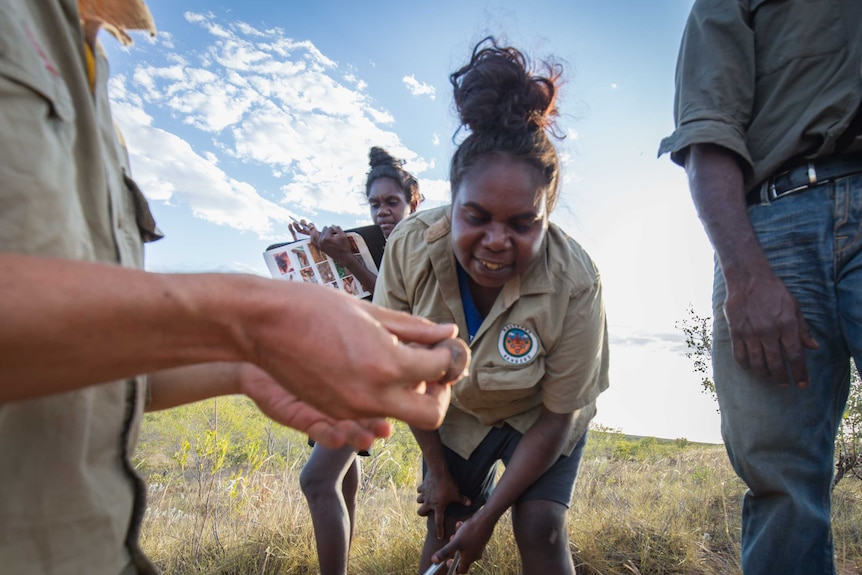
(773, 195)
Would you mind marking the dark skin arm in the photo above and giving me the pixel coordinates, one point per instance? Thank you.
(765, 320)
(537, 451)
(438, 488)
(332, 241)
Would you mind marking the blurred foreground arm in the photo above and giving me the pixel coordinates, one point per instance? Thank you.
(69, 324)
(183, 385)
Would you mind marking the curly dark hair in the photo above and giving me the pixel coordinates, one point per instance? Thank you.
(510, 108)
(384, 165)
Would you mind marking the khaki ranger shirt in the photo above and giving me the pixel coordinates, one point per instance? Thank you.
(775, 81)
(70, 502)
(544, 342)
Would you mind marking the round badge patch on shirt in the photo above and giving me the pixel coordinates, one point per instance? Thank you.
(517, 344)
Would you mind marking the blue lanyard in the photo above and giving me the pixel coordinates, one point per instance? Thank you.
(471, 312)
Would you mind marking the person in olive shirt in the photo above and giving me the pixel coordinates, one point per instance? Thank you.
(767, 127)
(529, 299)
(81, 324)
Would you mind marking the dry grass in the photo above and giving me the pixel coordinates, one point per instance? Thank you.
(669, 509)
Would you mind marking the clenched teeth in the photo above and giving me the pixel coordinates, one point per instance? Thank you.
(491, 265)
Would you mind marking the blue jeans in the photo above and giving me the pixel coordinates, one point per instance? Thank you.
(781, 440)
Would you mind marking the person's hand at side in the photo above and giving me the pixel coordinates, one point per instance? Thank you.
(766, 326)
(768, 332)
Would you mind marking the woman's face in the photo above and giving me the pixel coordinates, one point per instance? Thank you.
(388, 204)
(499, 219)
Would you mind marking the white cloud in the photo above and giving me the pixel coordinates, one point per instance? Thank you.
(361, 85)
(613, 85)
(435, 139)
(167, 168)
(436, 192)
(417, 88)
(267, 101)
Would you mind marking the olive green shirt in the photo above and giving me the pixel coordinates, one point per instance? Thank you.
(775, 82)
(70, 502)
(544, 342)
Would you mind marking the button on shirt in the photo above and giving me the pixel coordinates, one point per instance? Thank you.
(544, 341)
(774, 81)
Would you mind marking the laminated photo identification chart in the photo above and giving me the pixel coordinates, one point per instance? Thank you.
(301, 261)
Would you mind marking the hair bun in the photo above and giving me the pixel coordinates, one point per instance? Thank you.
(383, 165)
(499, 91)
(379, 157)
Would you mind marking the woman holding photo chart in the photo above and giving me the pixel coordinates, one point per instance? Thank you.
(330, 478)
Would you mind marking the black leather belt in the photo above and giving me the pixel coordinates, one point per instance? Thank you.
(803, 176)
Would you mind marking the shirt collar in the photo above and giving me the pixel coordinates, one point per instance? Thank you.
(117, 16)
(536, 278)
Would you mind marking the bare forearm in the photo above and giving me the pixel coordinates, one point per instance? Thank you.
(432, 449)
(767, 329)
(182, 385)
(366, 277)
(537, 451)
(717, 188)
(69, 324)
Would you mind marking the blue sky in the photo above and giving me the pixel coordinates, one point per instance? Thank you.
(239, 115)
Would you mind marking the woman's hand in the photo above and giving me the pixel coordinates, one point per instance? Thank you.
(282, 406)
(436, 492)
(334, 242)
(305, 228)
(470, 539)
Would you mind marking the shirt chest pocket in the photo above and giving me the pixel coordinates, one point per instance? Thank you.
(784, 32)
(32, 79)
(511, 382)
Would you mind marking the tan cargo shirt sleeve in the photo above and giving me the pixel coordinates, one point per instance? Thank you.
(576, 370)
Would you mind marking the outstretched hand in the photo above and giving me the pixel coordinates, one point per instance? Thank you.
(283, 407)
(356, 360)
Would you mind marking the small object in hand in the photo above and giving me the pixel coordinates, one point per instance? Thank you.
(437, 568)
(459, 360)
(456, 560)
